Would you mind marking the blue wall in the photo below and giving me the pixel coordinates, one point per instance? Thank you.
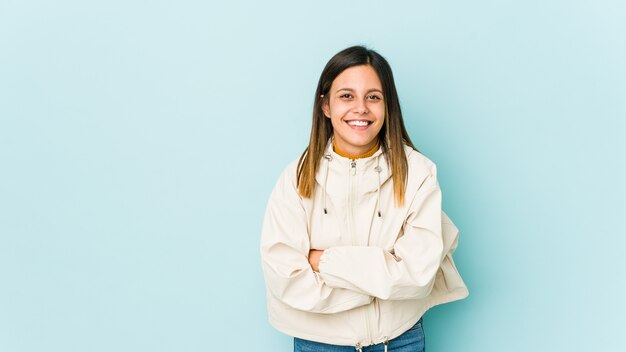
(139, 142)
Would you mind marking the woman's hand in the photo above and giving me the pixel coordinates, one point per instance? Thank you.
(314, 258)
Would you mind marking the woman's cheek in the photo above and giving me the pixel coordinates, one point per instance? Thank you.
(378, 109)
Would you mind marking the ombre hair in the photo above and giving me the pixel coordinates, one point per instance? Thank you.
(392, 136)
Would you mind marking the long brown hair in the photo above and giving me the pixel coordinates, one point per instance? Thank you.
(392, 135)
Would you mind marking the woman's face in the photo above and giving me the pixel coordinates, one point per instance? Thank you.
(355, 106)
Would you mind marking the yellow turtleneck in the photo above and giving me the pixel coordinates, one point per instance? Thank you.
(354, 157)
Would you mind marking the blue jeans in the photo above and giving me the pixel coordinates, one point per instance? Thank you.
(410, 341)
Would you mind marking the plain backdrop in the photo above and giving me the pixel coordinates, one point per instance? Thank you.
(139, 141)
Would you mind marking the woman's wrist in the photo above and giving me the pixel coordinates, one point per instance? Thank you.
(314, 258)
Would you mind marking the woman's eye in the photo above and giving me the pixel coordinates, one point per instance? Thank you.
(346, 96)
(374, 97)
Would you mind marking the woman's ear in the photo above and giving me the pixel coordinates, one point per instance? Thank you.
(325, 107)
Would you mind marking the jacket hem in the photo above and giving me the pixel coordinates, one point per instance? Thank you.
(451, 296)
(310, 337)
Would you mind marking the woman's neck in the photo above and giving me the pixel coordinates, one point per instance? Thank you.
(360, 156)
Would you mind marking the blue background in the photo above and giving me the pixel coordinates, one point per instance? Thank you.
(139, 142)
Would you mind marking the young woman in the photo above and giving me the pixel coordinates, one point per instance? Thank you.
(355, 246)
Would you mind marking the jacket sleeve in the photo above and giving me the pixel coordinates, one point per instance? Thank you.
(409, 269)
(284, 252)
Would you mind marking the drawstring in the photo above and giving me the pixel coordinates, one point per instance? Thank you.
(378, 170)
(359, 348)
(328, 158)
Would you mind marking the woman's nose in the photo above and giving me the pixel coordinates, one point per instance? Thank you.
(361, 107)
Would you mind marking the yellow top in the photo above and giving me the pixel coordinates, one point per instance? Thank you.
(354, 157)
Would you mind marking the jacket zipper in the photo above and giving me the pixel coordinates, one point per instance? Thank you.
(367, 322)
(351, 200)
(355, 242)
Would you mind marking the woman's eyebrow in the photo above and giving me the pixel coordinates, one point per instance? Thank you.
(352, 90)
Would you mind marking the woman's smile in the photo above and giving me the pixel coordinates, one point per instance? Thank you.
(359, 125)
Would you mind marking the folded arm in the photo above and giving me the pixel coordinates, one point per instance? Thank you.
(284, 251)
(409, 270)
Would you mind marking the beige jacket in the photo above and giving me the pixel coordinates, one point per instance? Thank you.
(378, 274)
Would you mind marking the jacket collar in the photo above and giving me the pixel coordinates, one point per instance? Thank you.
(335, 164)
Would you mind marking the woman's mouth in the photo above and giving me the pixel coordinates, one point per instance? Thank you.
(359, 124)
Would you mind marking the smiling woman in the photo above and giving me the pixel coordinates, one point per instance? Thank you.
(356, 109)
(355, 245)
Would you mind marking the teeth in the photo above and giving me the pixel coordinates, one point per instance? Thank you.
(358, 123)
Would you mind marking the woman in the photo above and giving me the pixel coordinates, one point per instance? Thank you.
(355, 246)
